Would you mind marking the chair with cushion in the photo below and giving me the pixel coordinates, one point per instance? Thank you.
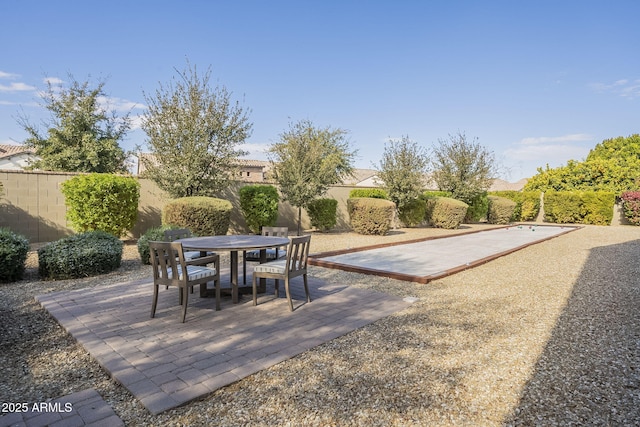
(183, 233)
(293, 266)
(170, 268)
(272, 253)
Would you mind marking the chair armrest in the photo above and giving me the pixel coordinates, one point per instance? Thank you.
(209, 259)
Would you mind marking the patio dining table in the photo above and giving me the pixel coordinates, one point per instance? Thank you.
(233, 243)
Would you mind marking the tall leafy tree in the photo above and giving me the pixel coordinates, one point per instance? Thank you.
(402, 170)
(464, 168)
(194, 132)
(307, 160)
(82, 136)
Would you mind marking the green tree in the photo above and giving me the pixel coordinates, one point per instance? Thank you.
(82, 135)
(402, 170)
(193, 132)
(308, 160)
(464, 168)
(613, 165)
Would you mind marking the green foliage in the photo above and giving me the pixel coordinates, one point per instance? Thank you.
(307, 160)
(464, 168)
(194, 133)
(83, 136)
(631, 206)
(500, 210)
(81, 255)
(204, 216)
(154, 234)
(445, 212)
(413, 212)
(13, 254)
(580, 207)
(370, 216)
(259, 205)
(429, 194)
(323, 213)
(374, 193)
(613, 165)
(402, 169)
(527, 203)
(478, 208)
(102, 202)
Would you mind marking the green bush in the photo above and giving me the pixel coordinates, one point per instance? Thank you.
(13, 254)
(413, 213)
(373, 193)
(430, 193)
(581, 207)
(323, 213)
(102, 202)
(500, 210)
(445, 212)
(370, 215)
(259, 205)
(631, 206)
(152, 234)
(81, 255)
(527, 203)
(204, 216)
(478, 208)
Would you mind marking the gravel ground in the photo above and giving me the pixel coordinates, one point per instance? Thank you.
(549, 335)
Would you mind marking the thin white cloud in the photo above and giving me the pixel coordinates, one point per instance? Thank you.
(5, 75)
(624, 87)
(542, 140)
(553, 150)
(118, 104)
(16, 87)
(55, 81)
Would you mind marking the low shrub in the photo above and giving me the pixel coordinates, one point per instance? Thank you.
(323, 213)
(13, 255)
(370, 215)
(580, 207)
(373, 193)
(259, 205)
(81, 255)
(152, 234)
(500, 210)
(478, 208)
(433, 193)
(204, 216)
(527, 203)
(631, 206)
(413, 213)
(445, 212)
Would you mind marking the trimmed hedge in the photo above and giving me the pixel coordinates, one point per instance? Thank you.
(152, 234)
(101, 201)
(204, 216)
(259, 205)
(580, 207)
(413, 213)
(445, 212)
(13, 255)
(81, 255)
(373, 193)
(370, 215)
(323, 213)
(478, 208)
(631, 206)
(500, 210)
(527, 203)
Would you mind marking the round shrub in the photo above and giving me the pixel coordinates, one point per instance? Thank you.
(374, 193)
(204, 216)
(323, 213)
(152, 234)
(478, 208)
(500, 210)
(370, 216)
(412, 213)
(81, 255)
(631, 206)
(445, 212)
(259, 205)
(13, 254)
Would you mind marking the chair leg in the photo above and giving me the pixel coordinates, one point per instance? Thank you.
(306, 287)
(286, 288)
(244, 266)
(218, 296)
(277, 287)
(184, 305)
(255, 289)
(155, 301)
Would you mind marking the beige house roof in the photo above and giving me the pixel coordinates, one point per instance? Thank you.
(15, 157)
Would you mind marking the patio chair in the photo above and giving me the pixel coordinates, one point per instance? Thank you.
(272, 253)
(183, 233)
(170, 268)
(293, 266)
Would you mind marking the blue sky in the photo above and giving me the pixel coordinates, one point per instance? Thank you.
(536, 82)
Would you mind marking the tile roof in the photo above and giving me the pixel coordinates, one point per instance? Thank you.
(10, 150)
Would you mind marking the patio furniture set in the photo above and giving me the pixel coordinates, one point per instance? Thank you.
(184, 261)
